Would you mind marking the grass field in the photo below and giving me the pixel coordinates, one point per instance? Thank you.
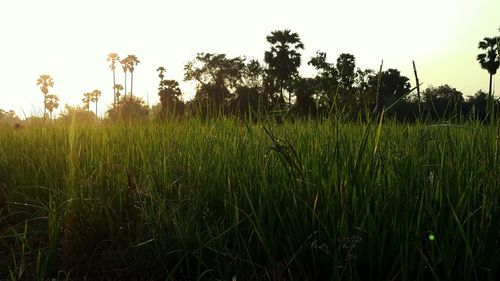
(224, 200)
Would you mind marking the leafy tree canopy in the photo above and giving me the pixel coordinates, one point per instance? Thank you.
(128, 109)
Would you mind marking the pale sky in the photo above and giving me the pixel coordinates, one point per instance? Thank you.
(70, 40)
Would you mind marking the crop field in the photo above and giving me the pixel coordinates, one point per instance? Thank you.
(229, 200)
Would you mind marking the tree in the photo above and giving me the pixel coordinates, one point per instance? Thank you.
(363, 84)
(392, 86)
(283, 59)
(489, 60)
(498, 44)
(113, 58)
(170, 95)
(7, 114)
(325, 81)
(247, 102)
(218, 78)
(45, 82)
(87, 98)
(443, 101)
(161, 70)
(118, 88)
(131, 61)
(79, 114)
(346, 65)
(125, 67)
(252, 75)
(51, 103)
(9, 118)
(128, 109)
(91, 97)
(478, 105)
(249, 95)
(305, 89)
(95, 95)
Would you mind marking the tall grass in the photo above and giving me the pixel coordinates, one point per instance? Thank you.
(224, 200)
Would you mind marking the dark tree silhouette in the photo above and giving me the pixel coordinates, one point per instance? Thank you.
(283, 60)
(217, 76)
(364, 88)
(478, 105)
(498, 43)
(79, 114)
(113, 58)
(346, 65)
(45, 82)
(170, 96)
(253, 74)
(95, 95)
(489, 60)
(326, 81)
(161, 70)
(118, 88)
(132, 61)
(233, 85)
(304, 90)
(249, 100)
(87, 98)
(392, 87)
(128, 109)
(51, 103)
(443, 102)
(125, 67)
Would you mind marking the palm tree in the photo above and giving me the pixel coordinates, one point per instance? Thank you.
(161, 70)
(45, 81)
(51, 103)
(87, 98)
(489, 59)
(113, 58)
(284, 58)
(125, 66)
(95, 98)
(498, 43)
(132, 62)
(118, 88)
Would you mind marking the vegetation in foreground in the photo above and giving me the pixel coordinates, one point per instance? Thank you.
(225, 200)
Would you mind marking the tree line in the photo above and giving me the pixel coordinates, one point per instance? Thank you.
(253, 89)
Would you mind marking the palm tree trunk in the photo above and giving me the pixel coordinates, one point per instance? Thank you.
(96, 109)
(489, 107)
(282, 99)
(125, 84)
(131, 83)
(114, 87)
(489, 91)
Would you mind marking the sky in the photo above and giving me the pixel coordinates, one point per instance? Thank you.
(70, 40)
